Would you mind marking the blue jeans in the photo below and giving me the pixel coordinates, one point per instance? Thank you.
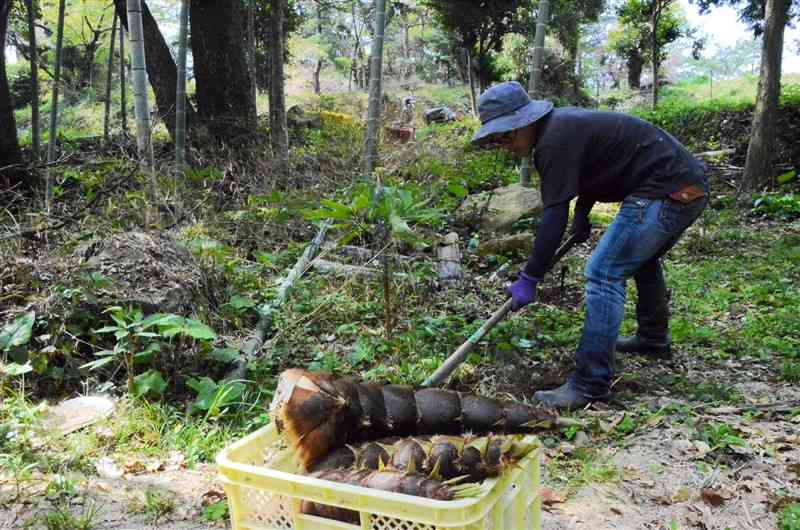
(642, 232)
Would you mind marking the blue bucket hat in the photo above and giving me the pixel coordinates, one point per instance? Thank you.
(505, 107)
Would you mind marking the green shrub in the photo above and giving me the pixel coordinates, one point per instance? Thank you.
(778, 205)
(790, 517)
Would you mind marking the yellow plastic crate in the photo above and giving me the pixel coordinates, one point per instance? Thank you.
(264, 492)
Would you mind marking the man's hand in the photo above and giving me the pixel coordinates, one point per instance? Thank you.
(581, 227)
(523, 291)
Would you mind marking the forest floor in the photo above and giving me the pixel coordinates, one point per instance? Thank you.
(706, 440)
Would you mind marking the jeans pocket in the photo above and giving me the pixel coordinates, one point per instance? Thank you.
(634, 208)
(670, 216)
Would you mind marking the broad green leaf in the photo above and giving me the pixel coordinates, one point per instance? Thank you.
(150, 382)
(457, 189)
(399, 226)
(360, 202)
(225, 355)
(97, 363)
(156, 319)
(211, 397)
(215, 511)
(192, 328)
(336, 210)
(18, 332)
(147, 334)
(14, 369)
(205, 388)
(241, 302)
(786, 177)
(107, 329)
(119, 319)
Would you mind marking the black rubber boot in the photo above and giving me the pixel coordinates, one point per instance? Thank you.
(652, 315)
(565, 397)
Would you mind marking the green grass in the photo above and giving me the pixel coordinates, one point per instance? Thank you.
(743, 88)
(743, 299)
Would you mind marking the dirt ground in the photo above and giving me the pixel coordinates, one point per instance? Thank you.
(666, 479)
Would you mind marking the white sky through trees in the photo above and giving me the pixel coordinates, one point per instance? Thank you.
(723, 27)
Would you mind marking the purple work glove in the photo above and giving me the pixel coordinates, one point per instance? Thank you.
(523, 291)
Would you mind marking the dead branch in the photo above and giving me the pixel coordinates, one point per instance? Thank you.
(331, 267)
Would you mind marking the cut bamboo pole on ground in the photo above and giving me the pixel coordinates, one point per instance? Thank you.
(264, 325)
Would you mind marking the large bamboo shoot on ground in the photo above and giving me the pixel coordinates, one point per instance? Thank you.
(317, 413)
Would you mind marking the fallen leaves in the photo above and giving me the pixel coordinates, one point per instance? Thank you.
(108, 469)
(550, 497)
(715, 496)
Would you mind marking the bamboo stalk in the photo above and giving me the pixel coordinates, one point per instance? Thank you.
(51, 145)
(35, 119)
(375, 86)
(180, 93)
(123, 98)
(107, 113)
(535, 82)
(141, 107)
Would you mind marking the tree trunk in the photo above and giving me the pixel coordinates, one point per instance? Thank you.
(221, 71)
(109, 77)
(655, 61)
(535, 79)
(375, 87)
(161, 69)
(277, 102)
(758, 166)
(51, 144)
(473, 97)
(180, 92)
(123, 94)
(251, 58)
(317, 70)
(10, 154)
(34, 62)
(139, 69)
(635, 63)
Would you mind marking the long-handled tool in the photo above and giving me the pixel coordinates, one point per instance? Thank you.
(452, 362)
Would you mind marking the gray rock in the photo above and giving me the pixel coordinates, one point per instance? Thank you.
(500, 208)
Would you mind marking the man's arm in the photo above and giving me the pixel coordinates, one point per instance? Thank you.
(551, 231)
(580, 221)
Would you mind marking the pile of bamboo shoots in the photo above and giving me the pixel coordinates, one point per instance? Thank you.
(428, 442)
